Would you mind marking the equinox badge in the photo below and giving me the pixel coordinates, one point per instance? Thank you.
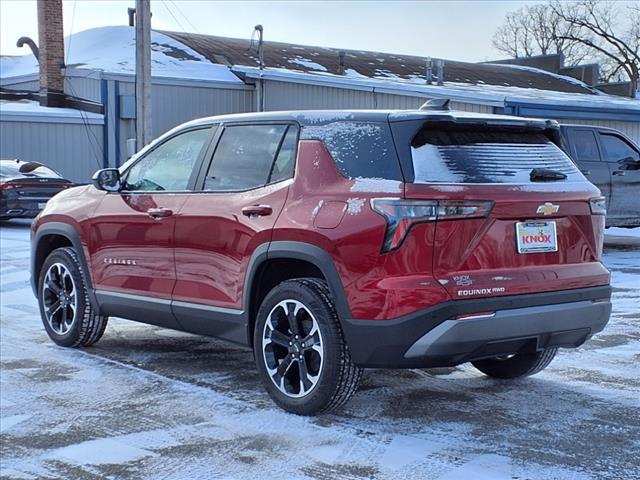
(548, 208)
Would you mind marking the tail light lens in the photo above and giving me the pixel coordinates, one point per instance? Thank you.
(8, 186)
(402, 214)
(598, 206)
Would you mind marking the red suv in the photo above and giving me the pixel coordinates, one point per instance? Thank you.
(334, 241)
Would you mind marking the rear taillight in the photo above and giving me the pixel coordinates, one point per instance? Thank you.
(402, 214)
(598, 206)
(8, 186)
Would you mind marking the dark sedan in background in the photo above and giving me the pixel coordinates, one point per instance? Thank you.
(25, 188)
(610, 161)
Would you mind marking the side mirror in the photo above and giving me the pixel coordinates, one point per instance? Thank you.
(108, 180)
(629, 163)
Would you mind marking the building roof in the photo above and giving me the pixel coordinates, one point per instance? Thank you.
(358, 63)
(112, 50)
(29, 111)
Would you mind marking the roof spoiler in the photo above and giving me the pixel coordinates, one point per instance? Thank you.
(436, 104)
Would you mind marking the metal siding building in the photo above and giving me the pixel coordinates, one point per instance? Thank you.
(57, 141)
(279, 95)
(77, 149)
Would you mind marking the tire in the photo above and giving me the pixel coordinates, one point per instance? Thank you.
(75, 322)
(331, 377)
(518, 365)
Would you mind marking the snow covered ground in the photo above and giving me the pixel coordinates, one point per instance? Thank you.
(152, 403)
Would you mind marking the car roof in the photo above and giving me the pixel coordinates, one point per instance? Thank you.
(569, 126)
(323, 117)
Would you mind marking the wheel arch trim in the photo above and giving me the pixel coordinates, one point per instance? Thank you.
(70, 233)
(312, 254)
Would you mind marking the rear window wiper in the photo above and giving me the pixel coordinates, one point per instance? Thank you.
(545, 175)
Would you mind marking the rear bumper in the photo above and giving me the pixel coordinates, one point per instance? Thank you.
(432, 338)
(14, 207)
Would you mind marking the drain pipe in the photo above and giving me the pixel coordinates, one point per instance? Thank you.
(440, 67)
(260, 82)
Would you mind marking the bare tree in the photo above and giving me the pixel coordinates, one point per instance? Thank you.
(580, 30)
(537, 30)
(597, 27)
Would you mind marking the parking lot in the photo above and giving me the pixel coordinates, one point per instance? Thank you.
(151, 403)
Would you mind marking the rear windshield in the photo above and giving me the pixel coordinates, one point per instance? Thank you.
(360, 149)
(485, 156)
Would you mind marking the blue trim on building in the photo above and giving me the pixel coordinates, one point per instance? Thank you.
(104, 97)
(117, 120)
(564, 111)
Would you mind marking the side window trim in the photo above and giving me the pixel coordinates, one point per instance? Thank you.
(596, 138)
(198, 165)
(208, 159)
(619, 137)
(295, 153)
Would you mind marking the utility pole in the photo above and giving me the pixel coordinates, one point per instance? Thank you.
(143, 73)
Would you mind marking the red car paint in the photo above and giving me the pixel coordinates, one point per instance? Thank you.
(200, 253)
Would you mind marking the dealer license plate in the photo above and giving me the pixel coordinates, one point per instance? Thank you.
(534, 237)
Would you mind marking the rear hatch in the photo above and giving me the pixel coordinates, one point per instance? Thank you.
(514, 213)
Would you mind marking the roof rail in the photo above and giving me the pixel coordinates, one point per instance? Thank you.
(436, 104)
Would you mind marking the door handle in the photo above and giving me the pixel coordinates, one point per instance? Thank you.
(618, 172)
(586, 172)
(257, 210)
(159, 213)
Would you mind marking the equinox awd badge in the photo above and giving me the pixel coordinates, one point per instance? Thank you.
(548, 208)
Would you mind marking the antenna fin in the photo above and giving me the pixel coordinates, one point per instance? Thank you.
(436, 104)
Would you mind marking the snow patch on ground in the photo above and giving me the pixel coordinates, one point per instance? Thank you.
(623, 232)
(101, 451)
(8, 422)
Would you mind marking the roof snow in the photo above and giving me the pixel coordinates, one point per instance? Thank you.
(112, 50)
(462, 92)
(305, 62)
(30, 109)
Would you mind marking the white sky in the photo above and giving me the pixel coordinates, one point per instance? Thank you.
(459, 30)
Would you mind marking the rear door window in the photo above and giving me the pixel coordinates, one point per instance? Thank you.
(285, 162)
(585, 145)
(359, 149)
(615, 149)
(485, 156)
(244, 157)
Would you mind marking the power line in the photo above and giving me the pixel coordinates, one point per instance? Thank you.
(73, 18)
(195, 30)
(95, 143)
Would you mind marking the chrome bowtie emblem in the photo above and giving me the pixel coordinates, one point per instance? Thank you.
(548, 208)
